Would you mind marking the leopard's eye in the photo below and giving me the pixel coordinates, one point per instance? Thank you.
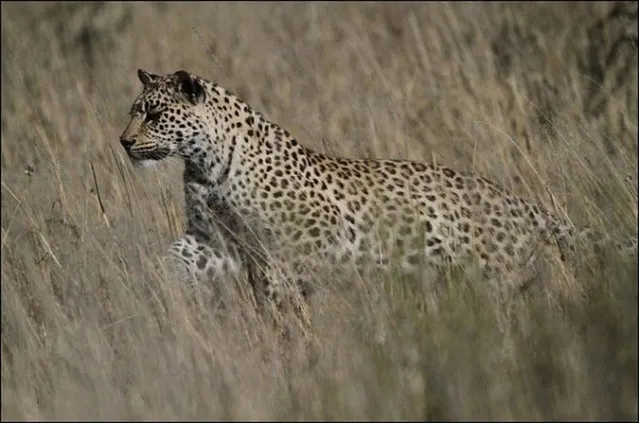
(152, 116)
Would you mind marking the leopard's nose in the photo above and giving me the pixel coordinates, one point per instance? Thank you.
(126, 143)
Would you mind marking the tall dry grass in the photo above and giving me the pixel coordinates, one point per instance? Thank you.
(541, 98)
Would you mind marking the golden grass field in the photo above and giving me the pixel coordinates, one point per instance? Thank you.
(541, 98)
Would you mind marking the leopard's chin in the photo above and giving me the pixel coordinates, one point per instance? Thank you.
(144, 163)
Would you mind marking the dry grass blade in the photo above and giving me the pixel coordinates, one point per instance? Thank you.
(97, 193)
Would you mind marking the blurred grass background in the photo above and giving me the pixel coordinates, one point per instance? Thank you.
(541, 98)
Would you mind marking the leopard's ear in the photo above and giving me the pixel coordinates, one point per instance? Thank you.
(190, 87)
(145, 77)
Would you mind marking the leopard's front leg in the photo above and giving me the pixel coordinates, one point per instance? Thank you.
(196, 260)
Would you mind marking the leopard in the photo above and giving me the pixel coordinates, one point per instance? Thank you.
(255, 196)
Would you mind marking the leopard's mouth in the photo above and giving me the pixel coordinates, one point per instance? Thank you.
(139, 158)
